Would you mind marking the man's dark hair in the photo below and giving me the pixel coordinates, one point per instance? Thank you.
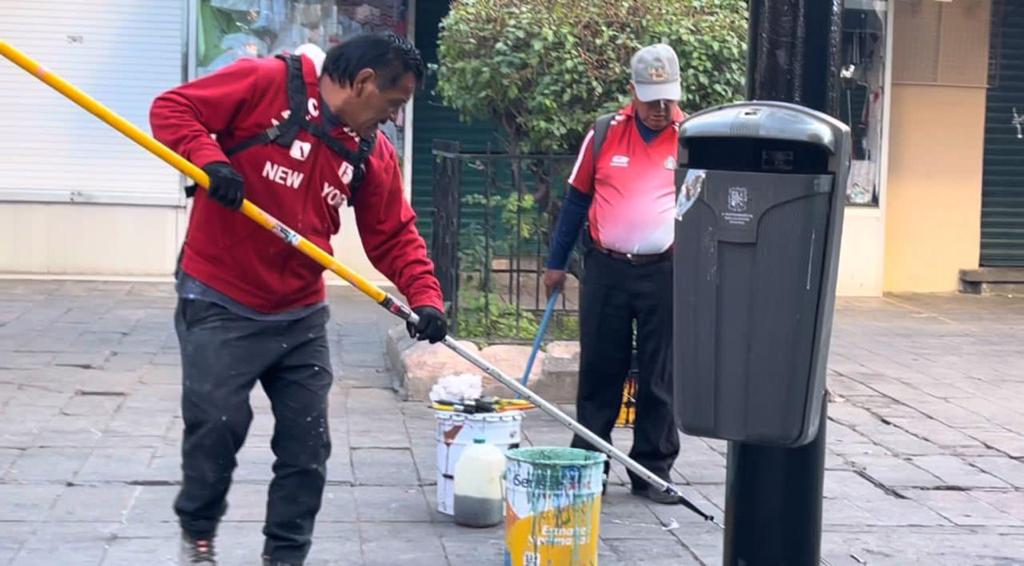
(389, 55)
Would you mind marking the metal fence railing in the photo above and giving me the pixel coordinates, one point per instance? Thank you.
(493, 216)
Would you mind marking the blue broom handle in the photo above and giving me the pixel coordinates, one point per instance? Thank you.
(539, 339)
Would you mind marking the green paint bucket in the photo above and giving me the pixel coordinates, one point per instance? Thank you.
(552, 506)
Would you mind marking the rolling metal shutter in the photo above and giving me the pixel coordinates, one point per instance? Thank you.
(1002, 209)
(123, 53)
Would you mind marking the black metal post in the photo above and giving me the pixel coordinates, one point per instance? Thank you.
(774, 495)
(444, 241)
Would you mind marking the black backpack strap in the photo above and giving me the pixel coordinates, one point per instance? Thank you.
(284, 133)
(297, 98)
(357, 158)
(601, 132)
(359, 162)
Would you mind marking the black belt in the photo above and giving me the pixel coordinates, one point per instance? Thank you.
(635, 259)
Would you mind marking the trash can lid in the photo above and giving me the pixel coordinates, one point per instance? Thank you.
(765, 120)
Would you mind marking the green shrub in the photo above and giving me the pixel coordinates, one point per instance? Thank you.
(544, 69)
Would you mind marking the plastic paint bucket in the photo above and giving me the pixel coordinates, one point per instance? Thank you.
(456, 431)
(552, 506)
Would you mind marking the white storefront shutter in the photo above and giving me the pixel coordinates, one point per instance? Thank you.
(121, 52)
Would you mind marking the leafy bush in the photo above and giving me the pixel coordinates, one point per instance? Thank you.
(488, 317)
(544, 69)
(485, 315)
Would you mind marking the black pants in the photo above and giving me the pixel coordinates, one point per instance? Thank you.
(223, 356)
(616, 294)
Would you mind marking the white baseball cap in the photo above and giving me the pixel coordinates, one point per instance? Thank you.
(655, 73)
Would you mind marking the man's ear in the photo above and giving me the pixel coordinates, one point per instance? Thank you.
(364, 79)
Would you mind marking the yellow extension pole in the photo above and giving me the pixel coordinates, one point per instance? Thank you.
(323, 258)
(195, 173)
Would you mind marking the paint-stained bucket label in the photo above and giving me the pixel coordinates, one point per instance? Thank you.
(552, 506)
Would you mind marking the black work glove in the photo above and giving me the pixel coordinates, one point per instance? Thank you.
(432, 325)
(226, 185)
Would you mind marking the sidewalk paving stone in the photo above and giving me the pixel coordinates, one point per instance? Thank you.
(93, 504)
(376, 466)
(956, 472)
(1005, 468)
(55, 464)
(962, 508)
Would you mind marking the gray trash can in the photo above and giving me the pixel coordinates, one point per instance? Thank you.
(758, 223)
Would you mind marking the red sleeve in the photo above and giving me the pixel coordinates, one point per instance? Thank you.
(184, 117)
(582, 176)
(387, 226)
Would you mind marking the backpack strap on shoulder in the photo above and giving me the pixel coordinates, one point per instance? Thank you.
(284, 133)
(357, 158)
(601, 132)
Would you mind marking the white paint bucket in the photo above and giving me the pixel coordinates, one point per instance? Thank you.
(456, 431)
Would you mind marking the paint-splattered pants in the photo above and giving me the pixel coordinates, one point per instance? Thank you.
(223, 356)
(619, 300)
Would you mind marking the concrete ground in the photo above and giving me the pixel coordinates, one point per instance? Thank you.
(925, 442)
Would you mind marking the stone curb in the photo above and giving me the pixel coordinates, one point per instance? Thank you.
(419, 365)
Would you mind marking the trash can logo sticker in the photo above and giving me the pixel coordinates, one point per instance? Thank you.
(738, 199)
(737, 202)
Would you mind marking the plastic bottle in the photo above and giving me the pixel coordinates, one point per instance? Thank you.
(479, 499)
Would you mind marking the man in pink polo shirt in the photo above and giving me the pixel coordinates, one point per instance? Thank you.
(624, 187)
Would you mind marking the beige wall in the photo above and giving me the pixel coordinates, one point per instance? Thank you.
(933, 215)
(861, 253)
(348, 248)
(89, 239)
(936, 144)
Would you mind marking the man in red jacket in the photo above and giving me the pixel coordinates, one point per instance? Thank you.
(300, 144)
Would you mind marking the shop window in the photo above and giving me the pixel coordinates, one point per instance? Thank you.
(231, 29)
(862, 80)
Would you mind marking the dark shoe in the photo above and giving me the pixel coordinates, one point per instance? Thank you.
(656, 495)
(194, 552)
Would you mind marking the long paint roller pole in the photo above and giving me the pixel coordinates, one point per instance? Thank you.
(326, 260)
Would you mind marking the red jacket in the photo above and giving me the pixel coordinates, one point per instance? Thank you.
(301, 186)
